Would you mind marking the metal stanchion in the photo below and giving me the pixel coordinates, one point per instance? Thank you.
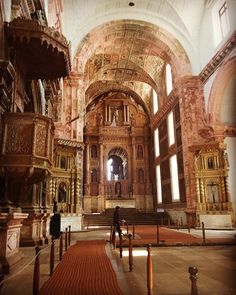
(52, 257)
(114, 237)
(158, 235)
(193, 277)
(66, 240)
(69, 236)
(203, 234)
(36, 272)
(111, 233)
(188, 226)
(121, 247)
(149, 271)
(130, 253)
(61, 247)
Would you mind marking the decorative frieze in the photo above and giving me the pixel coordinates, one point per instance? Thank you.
(69, 143)
(218, 58)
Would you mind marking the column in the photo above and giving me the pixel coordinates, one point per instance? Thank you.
(148, 186)
(72, 188)
(50, 190)
(202, 193)
(199, 205)
(77, 187)
(101, 172)
(87, 167)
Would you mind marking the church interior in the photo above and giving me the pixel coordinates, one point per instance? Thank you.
(107, 103)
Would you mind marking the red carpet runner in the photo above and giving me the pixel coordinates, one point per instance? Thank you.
(85, 269)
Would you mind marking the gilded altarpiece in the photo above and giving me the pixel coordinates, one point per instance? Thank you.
(214, 206)
(117, 132)
(65, 188)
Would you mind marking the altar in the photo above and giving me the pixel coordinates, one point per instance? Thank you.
(122, 203)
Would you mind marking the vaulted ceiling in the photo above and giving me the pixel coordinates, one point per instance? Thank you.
(129, 55)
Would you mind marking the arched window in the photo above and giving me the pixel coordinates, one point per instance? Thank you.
(174, 178)
(158, 182)
(155, 101)
(156, 143)
(171, 134)
(220, 21)
(169, 85)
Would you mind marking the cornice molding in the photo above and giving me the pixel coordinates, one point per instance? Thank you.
(69, 143)
(218, 58)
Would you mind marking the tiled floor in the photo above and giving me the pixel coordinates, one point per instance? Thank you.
(216, 267)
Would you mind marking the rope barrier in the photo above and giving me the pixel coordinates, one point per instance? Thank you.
(25, 266)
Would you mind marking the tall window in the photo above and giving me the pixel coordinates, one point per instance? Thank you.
(158, 182)
(168, 79)
(220, 21)
(155, 101)
(156, 142)
(109, 169)
(224, 21)
(171, 135)
(174, 178)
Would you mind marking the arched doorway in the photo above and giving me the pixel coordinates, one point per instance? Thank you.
(117, 181)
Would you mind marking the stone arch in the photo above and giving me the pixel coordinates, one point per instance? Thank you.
(225, 74)
(121, 153)
(160, 41)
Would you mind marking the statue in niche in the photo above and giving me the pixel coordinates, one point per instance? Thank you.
(62, 193)
(226, 160)
(140, 152)
(213, 196)
(118, 189)
(115, 117)
(210, 163)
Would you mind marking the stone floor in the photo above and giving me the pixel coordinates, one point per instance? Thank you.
(216, 267)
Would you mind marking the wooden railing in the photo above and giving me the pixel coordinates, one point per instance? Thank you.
(193, 271)
(36, 260)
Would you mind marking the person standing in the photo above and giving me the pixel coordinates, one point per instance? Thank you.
(117, 221)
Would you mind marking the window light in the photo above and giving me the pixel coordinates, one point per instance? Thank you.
(171, 135)
(174, 178)
(156, 142)
(168, 79)
(158, 182)
(220, 21)
(155, 101)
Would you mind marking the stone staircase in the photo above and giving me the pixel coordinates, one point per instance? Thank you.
(130, 215)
